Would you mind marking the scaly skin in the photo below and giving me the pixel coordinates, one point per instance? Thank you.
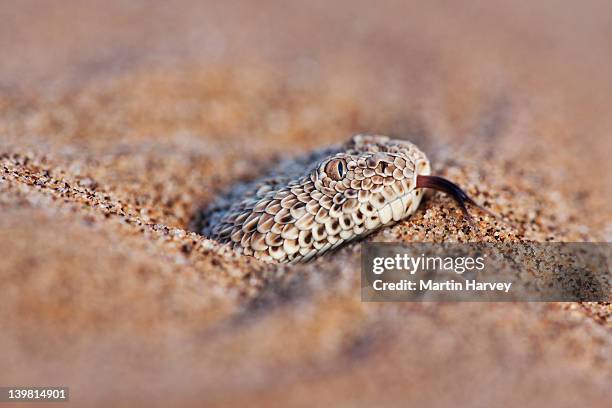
(369, 183)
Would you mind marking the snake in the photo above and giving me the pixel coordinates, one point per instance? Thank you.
(310, 205)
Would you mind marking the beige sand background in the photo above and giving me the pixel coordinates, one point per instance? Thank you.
(119, 119)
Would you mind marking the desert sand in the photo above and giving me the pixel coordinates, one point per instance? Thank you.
(119, 120)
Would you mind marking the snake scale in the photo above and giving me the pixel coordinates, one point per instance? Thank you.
(311, 205)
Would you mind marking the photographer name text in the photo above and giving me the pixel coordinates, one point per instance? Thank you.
(450, 285)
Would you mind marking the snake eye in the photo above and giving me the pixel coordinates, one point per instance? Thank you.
(336, 169)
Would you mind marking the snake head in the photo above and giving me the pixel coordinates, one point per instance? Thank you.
(371, 183)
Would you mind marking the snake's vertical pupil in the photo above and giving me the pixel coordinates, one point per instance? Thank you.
(341, 168)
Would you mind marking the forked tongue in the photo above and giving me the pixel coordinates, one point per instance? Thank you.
(450, 188)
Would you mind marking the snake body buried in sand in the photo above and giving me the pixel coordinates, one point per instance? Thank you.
(310, 205)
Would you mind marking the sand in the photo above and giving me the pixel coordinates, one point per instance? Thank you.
(119, 121)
